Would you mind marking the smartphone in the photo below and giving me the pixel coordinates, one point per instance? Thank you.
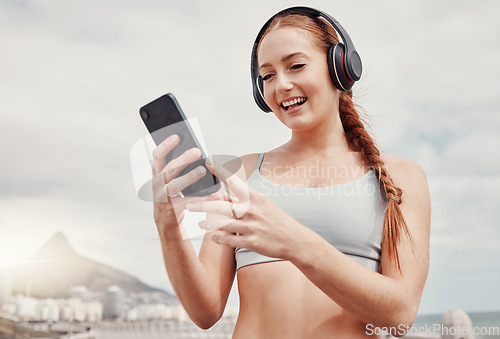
(164, 117)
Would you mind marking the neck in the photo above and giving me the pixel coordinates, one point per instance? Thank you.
(323, 139)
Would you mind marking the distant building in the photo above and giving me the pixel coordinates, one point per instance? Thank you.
(25, 307)
(151, 311)
(74, 309)
(80, 292)
(47, 310)
(94, 311)
(5, 290)
(114, 303)
(86, 305)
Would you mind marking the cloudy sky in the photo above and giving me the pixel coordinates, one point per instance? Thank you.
(74, 73)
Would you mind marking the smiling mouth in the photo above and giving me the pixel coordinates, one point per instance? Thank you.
(292, 103)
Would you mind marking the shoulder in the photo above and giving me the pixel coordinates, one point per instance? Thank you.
(407, 175)
(402, 170)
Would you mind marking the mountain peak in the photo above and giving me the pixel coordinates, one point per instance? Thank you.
(56, 248)
(56, 267)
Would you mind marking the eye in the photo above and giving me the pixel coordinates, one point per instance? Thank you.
(297, 66)
(266, 77)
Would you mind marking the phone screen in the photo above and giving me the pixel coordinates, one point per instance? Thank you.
(164, 117)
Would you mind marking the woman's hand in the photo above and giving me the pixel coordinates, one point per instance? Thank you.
(169, 204)
(252, 221)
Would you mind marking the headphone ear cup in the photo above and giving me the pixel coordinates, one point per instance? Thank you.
(336, 67)
(258, 94)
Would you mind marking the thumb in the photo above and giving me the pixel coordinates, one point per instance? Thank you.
(220, 171)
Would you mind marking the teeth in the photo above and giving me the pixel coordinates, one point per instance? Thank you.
(293, 102)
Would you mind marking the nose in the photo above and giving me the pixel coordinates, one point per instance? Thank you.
(283, 84)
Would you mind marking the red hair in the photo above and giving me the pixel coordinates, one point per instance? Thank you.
(358, 139)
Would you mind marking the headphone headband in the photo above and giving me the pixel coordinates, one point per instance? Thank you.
(349, 60)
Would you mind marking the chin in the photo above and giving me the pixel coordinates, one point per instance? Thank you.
(299, 124)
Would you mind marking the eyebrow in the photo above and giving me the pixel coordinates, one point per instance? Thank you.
(285, 58)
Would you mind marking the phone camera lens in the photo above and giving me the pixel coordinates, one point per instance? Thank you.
(144, 115)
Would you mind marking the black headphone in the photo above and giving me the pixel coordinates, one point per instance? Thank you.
(344, 62)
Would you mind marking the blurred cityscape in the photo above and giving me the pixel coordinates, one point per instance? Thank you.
(114, 313)
(116, 306)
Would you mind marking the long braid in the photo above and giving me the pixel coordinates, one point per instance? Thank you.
(360, 141)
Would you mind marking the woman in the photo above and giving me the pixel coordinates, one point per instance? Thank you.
(329, 238)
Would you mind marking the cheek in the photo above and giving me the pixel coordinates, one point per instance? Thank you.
(268, 93)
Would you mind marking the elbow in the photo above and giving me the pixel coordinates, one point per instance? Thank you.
(404, 322)
(399, 322)
(205, 325)
(207, 318)
(400, 330)
(206, 322)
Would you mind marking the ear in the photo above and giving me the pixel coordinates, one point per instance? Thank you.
(337, 68)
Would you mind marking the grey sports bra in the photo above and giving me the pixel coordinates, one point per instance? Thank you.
(349, 216)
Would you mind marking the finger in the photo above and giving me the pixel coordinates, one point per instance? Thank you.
(231, 240)
(159, 195)
(239, 190)
(222, 207)
(175, 166)
(158, 190)
(175, 186)
(158, 183)
(162, 150)
(212, 197)
(219, 195)
(238, 187)
(219, 207)
(223, 174)
(218, 170)
(214, 223)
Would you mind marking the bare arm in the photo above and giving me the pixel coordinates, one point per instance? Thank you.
(201, 284)
(389, 299)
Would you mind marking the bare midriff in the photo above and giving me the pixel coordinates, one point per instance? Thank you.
(278, 301)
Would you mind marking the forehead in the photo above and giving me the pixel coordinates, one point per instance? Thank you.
(283, 41)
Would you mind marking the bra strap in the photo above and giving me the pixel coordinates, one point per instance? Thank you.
(259, 161)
